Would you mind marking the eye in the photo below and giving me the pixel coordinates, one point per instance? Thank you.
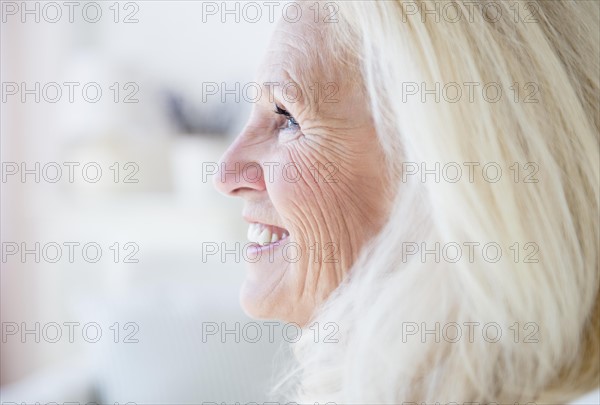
(291, 122)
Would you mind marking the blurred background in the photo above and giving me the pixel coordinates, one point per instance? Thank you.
(111, 125)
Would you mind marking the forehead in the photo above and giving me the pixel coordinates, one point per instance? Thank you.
(301, 59)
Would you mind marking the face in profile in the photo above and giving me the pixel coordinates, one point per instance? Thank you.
(310, 170)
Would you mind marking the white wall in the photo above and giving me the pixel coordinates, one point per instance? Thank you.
(168, 214)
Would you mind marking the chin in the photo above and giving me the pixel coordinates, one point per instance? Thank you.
(271, 302)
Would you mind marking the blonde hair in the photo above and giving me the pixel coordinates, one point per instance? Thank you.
(373, 360)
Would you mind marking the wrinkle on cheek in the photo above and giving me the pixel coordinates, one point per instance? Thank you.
(359, 173)
(353, 184)
(329, 153)
(316, 279)
(319, 227)
(355, 188)
(350, 151)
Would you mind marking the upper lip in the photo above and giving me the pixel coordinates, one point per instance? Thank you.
(251, 220)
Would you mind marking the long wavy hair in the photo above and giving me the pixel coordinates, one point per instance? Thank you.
(546, 309)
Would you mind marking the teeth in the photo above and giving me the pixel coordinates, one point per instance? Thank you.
(263, 234)
(265, 237)
(250, 234)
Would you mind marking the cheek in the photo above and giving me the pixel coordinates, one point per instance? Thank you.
(325, 197)
(313, 193)
(299, 192)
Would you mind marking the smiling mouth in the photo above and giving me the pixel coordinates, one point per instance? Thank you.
(264, 235)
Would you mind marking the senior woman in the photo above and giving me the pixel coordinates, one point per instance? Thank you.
(435, 167)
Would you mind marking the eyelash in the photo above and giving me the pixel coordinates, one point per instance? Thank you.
(291, 121)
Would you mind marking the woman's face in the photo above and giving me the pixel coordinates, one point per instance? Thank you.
(310, 170)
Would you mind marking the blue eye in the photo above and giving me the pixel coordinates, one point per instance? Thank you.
(291, 121)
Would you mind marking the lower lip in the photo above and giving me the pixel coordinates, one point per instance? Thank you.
(256, 249)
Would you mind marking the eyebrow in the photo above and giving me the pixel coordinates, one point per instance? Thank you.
(292, 92)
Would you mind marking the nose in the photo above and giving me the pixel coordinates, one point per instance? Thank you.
(239, 171)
